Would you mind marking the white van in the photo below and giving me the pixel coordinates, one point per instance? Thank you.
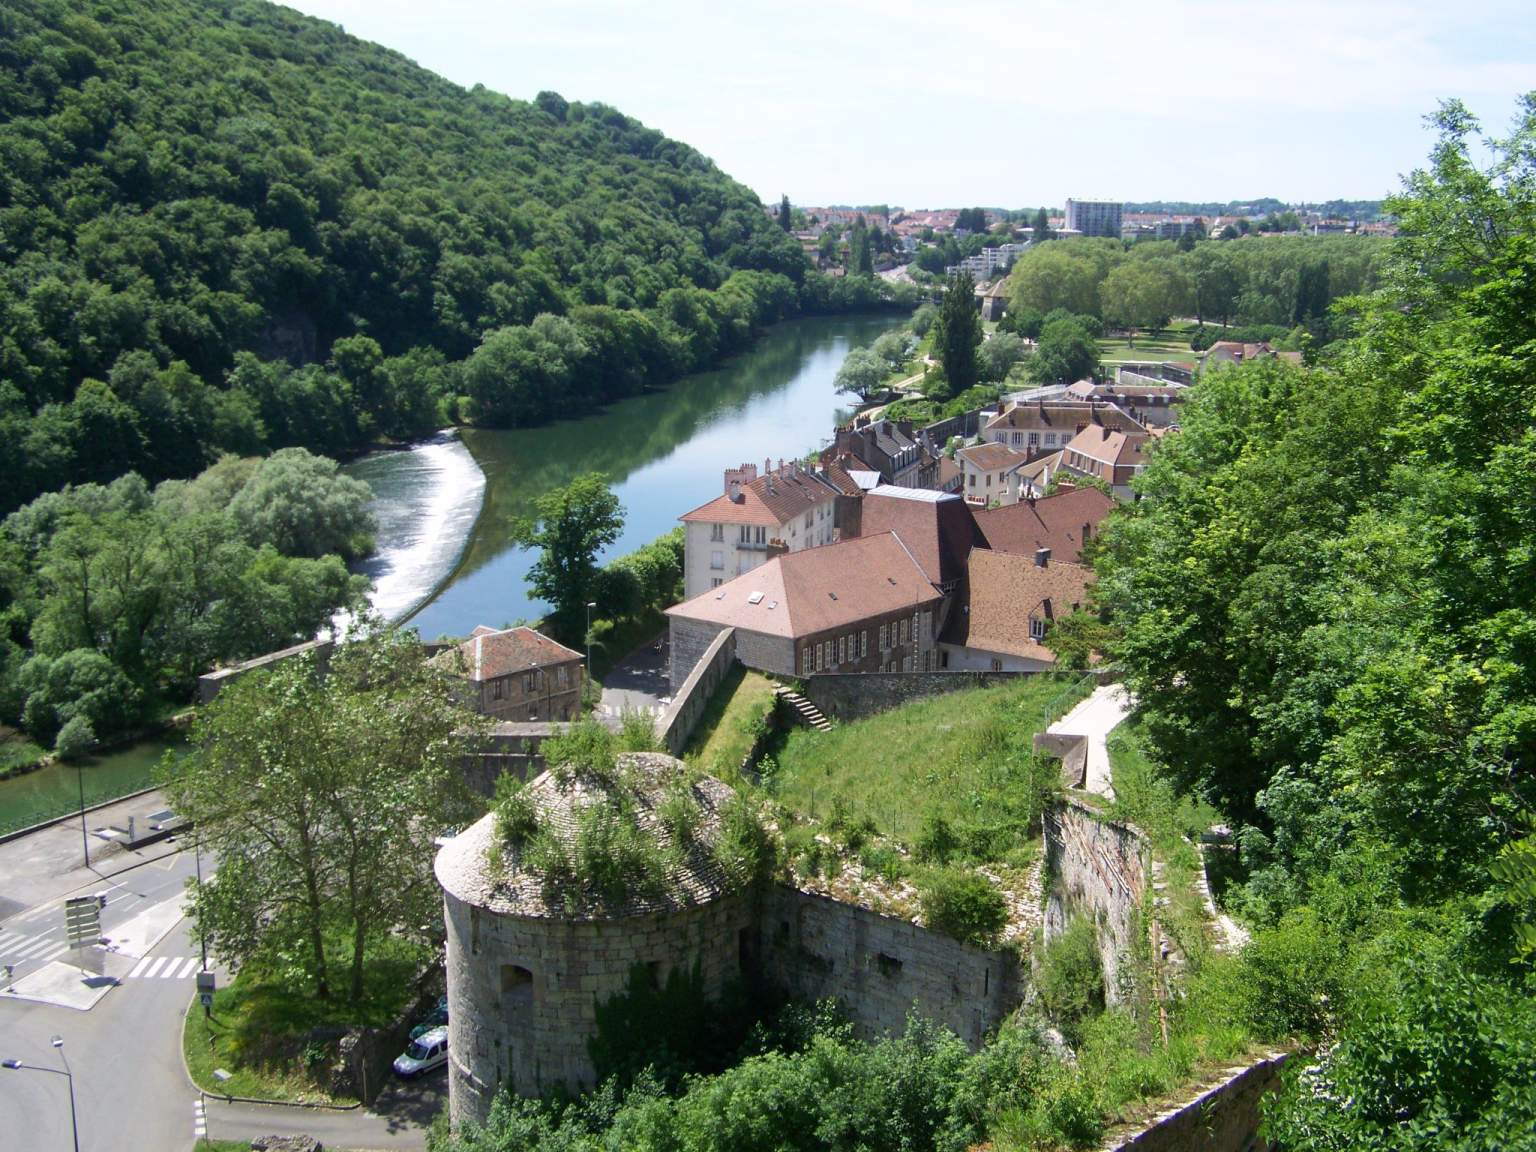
(426, 1052)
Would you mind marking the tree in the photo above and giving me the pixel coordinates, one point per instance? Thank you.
(1140, 294)
(1042, 227)
(1066, 351)
(1062, 275)
(303, 505)
(786, 217)
(958, 332)
(570, 526)
(863, 373)
(893, 347)
(997, 356)
(321, 793)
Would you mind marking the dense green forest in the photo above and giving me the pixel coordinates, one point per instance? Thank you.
(1278, 282)
(228, 227)
(1328, 604)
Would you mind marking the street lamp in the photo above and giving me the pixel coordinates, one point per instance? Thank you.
(85, 843)
(57, 1042)
(591, 604)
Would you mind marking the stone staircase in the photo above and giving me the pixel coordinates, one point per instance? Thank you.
(801, 708)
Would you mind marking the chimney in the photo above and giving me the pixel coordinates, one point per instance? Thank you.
(1031, 497)
(776, 547)
(1105, 431)
(478, 640)
(733, 490)
(736, 478)
(1042, 557)
(1002, 405)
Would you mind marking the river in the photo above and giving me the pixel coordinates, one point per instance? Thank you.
(664, 453)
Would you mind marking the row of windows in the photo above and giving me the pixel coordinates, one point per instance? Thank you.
(532, 680)
(855, 645)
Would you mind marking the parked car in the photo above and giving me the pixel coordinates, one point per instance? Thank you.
(426, 1052)
(433, 1019)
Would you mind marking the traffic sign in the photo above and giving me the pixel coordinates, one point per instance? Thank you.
(82, 920)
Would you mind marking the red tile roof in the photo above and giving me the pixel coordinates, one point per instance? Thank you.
(1054, 522)
(817, 590)
(937, 526)
(1003, 591)
(770, 500)
(489, 654)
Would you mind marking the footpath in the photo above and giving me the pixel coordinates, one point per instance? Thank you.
(1095, 718)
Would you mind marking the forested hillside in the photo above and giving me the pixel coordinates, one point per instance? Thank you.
(228, 227)
(1328, 600)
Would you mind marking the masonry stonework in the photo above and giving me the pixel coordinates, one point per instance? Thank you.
(856, 695)
(882, 968)
(1100, 869)
(1225, 1118)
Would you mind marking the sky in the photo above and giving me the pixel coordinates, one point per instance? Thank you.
(929, 105)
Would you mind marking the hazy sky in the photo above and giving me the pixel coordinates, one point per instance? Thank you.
(1001, 104)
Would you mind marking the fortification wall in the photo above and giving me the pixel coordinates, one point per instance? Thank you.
(882, 968)
(212, 683)
(523, 993)
(1220, 1119)
(853, 695)
(1100, 869)
(690, 700)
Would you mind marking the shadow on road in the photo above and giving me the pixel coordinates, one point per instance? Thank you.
(405, 1104)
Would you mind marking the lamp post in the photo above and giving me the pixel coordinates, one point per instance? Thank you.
(85, 843)
(591, 604)
(202, 930)
(57, 1042)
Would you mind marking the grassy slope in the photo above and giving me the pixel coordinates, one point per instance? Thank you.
(933, 756)
(725, 732)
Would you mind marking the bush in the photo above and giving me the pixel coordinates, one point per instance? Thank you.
(1293, 972)
(516, 817)
(1070, 978)
(75, 739)
(963, 904)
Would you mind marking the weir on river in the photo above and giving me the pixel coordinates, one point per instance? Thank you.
(445, 559)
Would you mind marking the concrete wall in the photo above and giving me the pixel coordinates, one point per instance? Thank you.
(851, 696)
(211, 684)
(690, 699)
(509, 748)
(882, 968)
(523, 993)
(964, 659)
(1223, 1119)
(1072, 751)
(1100, 869)
(687, 641)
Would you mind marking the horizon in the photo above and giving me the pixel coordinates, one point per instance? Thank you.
(834, 103)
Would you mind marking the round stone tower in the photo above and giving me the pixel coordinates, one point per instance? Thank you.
(535, 944)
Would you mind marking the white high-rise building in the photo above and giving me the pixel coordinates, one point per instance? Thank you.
(1094, 217)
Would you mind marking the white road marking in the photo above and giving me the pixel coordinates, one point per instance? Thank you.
(155, 966)
(187, 968)
(9, 938)
(139, 967)
(52, 953)
(31, 950)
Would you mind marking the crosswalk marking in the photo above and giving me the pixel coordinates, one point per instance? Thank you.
(9, 938)
(52, 953)
(164, 968)
(40, 945)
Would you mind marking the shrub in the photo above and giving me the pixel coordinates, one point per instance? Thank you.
(962, 904)
(586, 746)
(1293, 972)
(1070, 978)
(744, 849)
(516, 817)
(637, 732)
(75, 739)
(937, 842)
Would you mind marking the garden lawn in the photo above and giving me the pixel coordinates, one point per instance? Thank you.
(730, 724)
(256, 1011)
(949, 756)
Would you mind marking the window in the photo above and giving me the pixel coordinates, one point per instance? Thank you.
(927, 624)
(717, 532)
(498, 689)
(516, 986)
(805, 660)
(717, 561)
(864, 643)
(1034, 439)
(885, 643)
(1018, 438)
(533, 711)
(1050, 438)
(997, 665)
(989, 479)
(842, 649)
(1038, 626)
(562, 676)
(715, 582)
(810, 519)
(528, 683)
(972, 479)
(906, 630)
(761, 535)
(744, 535)
(819, 654)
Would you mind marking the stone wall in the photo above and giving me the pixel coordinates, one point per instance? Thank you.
(510, 747)
(882, 968)
(523, 993)
(1072, 751)
(850, 696)
(690, 700)
(1221, 1119)
(687, 642)
(211, 684)
(367, 1054)
(1100, 869)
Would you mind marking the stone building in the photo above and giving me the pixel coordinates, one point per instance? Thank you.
(530, 955)
(517, 674)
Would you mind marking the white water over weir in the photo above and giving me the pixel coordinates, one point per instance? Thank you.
(426, 499)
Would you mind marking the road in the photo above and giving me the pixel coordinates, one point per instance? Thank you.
(131, 1088)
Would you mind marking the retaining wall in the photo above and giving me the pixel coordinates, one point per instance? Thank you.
(1100, 869)
(1221, 1119)
(211, 684)
(853, 695)
(690, 700)
(882, 968)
